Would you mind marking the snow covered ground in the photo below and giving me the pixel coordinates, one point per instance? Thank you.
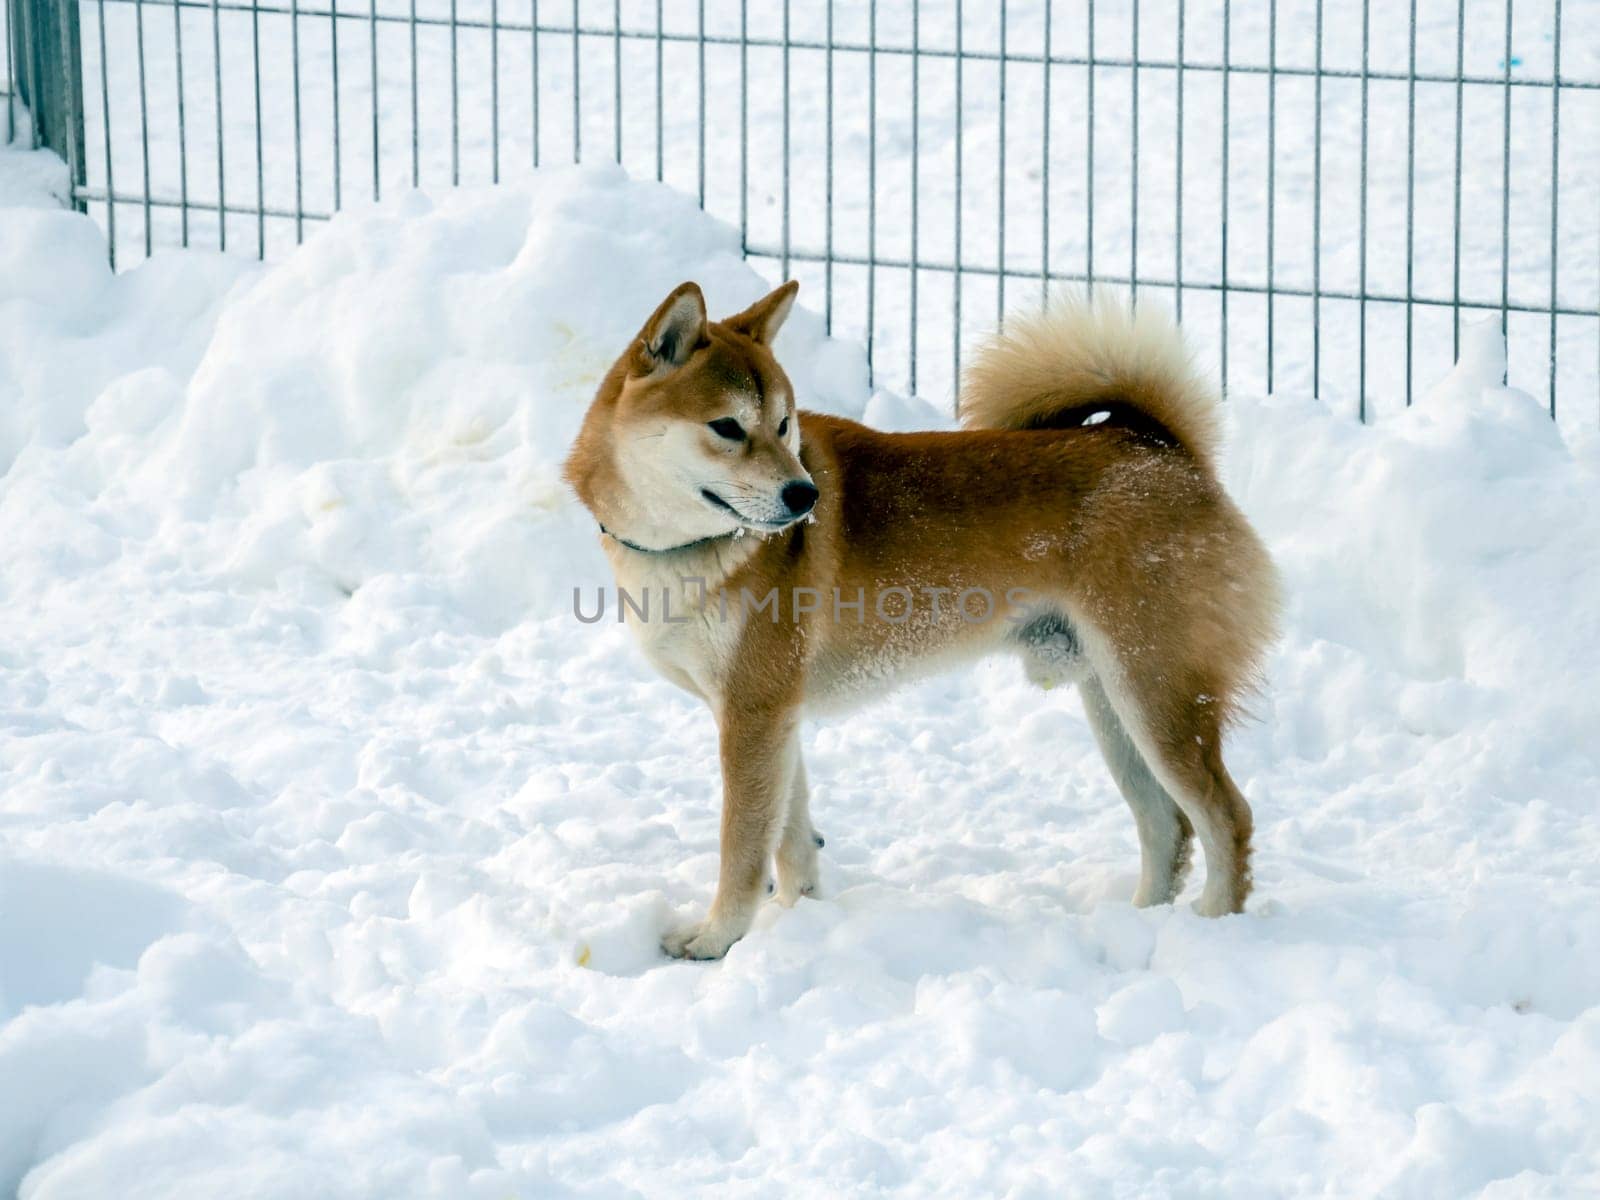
(334, 851)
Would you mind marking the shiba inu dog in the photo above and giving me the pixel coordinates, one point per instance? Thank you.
(811, 563)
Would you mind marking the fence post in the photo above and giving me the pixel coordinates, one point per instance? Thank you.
(48, 62)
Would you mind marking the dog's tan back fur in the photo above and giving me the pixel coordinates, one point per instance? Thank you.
(1084, 481)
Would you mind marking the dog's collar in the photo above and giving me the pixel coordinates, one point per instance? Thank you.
(705, 541)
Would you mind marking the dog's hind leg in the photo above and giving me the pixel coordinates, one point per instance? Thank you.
(1199, 781)
(797, 849)
(1164, 832)
(1177, 730)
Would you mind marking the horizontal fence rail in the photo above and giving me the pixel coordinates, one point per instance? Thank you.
(1326, 193)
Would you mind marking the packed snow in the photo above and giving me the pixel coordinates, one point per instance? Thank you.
(335, 852)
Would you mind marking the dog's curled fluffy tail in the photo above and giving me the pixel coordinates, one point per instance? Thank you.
(1053, 369)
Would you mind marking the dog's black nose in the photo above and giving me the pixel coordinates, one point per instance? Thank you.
(800, 497)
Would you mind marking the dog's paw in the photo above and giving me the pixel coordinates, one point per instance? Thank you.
(1209, 905)
(700, 940)
(788, 896)
(797, 878)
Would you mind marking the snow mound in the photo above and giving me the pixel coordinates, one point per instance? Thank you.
(336, 851)
(397, 396)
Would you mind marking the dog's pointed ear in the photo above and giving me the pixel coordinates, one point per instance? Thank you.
(674, 330)
(762, 320)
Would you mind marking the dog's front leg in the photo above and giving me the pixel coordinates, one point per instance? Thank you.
(797, 848)
(758, 749)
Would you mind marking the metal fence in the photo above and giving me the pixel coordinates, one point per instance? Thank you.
(1324, 191)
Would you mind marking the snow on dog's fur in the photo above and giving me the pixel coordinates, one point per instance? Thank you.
(1080, 502)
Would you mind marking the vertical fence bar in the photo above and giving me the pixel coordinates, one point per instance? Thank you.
(827, 217)
(17, 72)
(35, 46)
(261, 175)
(30, 88)
(144, 119)
(1411, 189)
(661, 159)
(1505, 203)
(701, 76)
(222, 180)
(916, 128)
(333, 64)
(744, 124)
(494, 91)
(40, 106)
(416, 127)
(955, 249)
(1272, 181)
(1316, 221)
(616, 80)
(294, 51)
(1361, 304)
(1177, 200)
(1455, 286)
(1088, 162)
(105, 130)
(577, 89)
(1133, 166)
(183, 132)
(11, 79)
(372, 81)
(30, 68)
(1555, 194)
(1227, 88)
(36, 39)
(1044, 170)
(533, 74)
(872, 183)
(786, 139)
(69, 137)
(1000, 184)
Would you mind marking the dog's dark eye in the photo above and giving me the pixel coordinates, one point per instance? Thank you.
(783, 427)
(727, 427)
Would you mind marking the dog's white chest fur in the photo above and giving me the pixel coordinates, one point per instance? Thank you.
(671, 604)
